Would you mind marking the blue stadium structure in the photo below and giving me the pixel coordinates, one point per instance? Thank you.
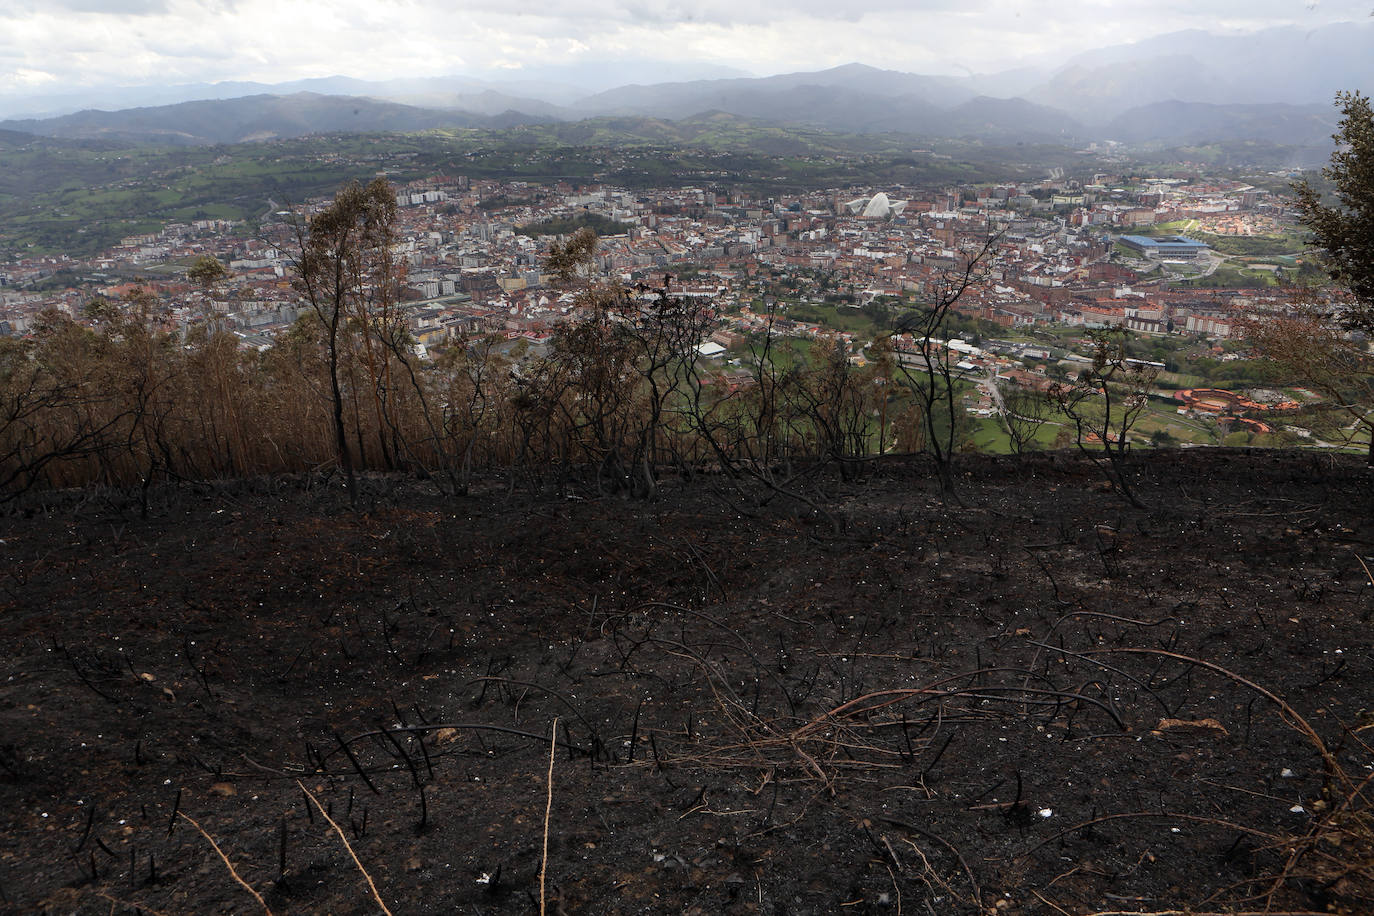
(1165, 247)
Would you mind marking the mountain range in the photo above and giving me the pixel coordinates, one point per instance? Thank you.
(1191, 87)
(256, 117)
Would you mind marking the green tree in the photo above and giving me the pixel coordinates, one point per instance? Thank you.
(1310, 346)
(1344, 231)
(1104, 404)
(566, 259)
(206, 271)
(1024, 412)
(1162, 438)
(1312, 339)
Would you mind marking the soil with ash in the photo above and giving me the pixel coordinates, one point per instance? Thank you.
(1040, 701)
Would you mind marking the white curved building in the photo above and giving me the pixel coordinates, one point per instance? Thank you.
(879, 206)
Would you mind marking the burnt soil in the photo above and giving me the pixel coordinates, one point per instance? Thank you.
(896, 704)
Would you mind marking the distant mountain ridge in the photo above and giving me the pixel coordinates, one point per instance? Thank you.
(546, 84)
(1190, 87)
(256, 117)
(1285, 65)
(684, 98)
(828, 109)
(1200, 122)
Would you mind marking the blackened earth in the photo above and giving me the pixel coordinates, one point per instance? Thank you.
(875, 700)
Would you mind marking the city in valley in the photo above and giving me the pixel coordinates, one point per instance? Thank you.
(1179, 262)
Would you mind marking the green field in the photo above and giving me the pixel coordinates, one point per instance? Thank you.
(81, 199)
(840, 318)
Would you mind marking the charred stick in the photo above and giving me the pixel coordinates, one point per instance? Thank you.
(634, 730)
(176, 807)
(938, 754)
(86, 833)
(354, 760)
(424, 814)
(410, 764)
(281, 850)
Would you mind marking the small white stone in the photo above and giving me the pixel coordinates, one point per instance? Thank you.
(1046, 812)
(1287, 773)
(1298, 809)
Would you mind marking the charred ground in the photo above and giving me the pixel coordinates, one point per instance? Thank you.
(903, 706)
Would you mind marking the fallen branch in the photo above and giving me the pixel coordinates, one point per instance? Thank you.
(548, 814)
(347, 845)
(229, 865)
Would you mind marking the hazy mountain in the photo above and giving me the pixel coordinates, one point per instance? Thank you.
(471, 95)
(1281, 65)
(755, 97)
(1085, 92)
(597, 75)
(1285, 64)
(1152, 91)
(1010, 120)
(817, 106)
(756, 111)
(1101, 93)
(1172, 123)
(260, 117)
(528, 88)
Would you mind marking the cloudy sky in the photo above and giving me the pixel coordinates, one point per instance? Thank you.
(49, 46)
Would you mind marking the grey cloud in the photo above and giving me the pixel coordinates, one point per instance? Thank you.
(110, 7)
(117, 9)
